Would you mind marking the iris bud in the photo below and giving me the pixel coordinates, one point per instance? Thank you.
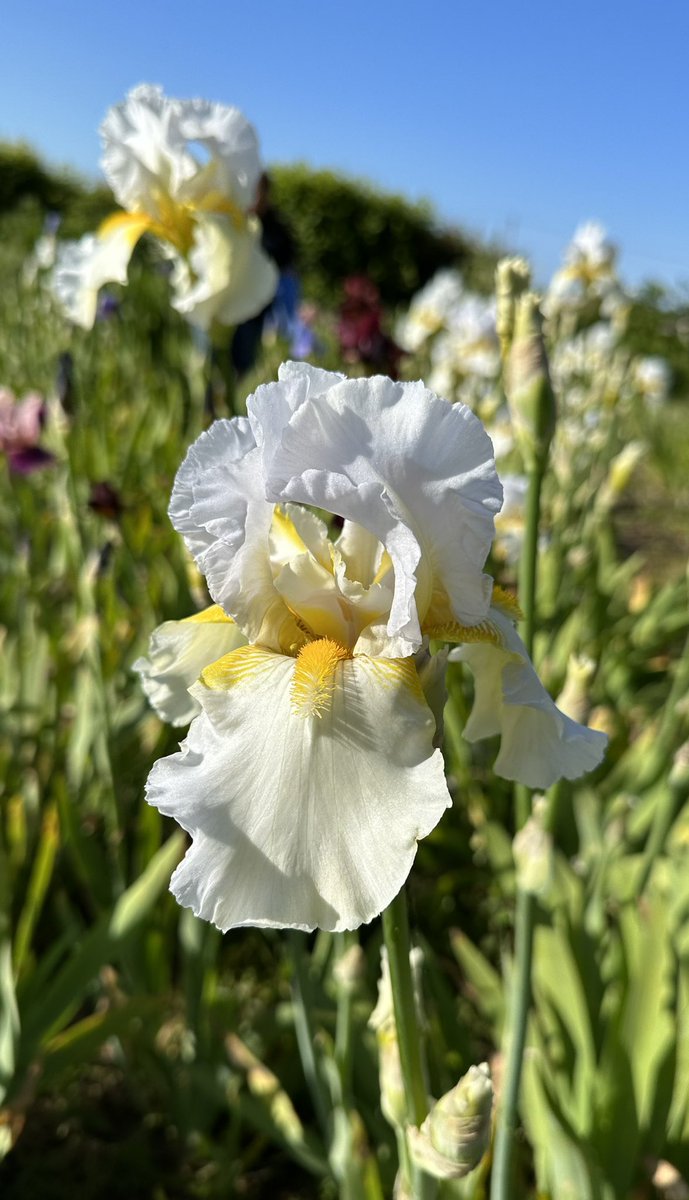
(456, 1133)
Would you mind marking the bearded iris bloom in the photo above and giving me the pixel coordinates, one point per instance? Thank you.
(310, 769)
(184, 171)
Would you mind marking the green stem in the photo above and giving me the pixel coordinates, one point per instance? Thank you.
(520, 993)
(501, 1183)
(529, 558)
(670, 804)
(221, 381)
(343, 1024)
(304, 1033)
(396, 933)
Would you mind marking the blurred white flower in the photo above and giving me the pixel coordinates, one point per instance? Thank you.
(509, 523)
(311, 770)
(430, 309)
(184, 171)
(469, 344)
(583, 355)
(652, 378)
(589, 268)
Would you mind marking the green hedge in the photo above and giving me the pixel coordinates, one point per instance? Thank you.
(346, 227)
(341, 226)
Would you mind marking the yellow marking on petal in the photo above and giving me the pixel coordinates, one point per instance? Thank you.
(285, 527)
(215, 202)
(393, 672)
(135, 225)
(237, 666)
(454, 631)
(214, 614)
(441, 623)
(507, 603)
(385, 565)
(314, 676)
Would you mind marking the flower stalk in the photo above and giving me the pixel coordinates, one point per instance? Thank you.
(531, 398)
(396, 933)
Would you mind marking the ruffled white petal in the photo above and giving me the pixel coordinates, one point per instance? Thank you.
(231, 141)
(227, 277)
(272, 404)
(177, 653)
(415, 471)
(150, 153)
(538, 744)
(218, 503)
(144, 154)
(296, 821)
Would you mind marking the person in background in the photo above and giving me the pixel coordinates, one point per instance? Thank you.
(282, 312)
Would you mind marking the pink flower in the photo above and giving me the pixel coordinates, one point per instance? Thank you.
(21, 424)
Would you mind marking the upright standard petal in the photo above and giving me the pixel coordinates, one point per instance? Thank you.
(231, 141)
(272, 404)
(538, 743)
(415, 471)
(144, 155)
(218, 504)
(177, 654)
(302, 821)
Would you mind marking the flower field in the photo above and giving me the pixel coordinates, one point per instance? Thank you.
(416, 575)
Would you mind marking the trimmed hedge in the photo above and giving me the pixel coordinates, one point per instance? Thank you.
(346, 227)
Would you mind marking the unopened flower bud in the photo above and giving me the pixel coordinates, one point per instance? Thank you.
(619, 474)
(393, 1101)
(512, 279)
(574, 699)
(456, 1133)
(350, 968)
(679, 772)
(527, 383)
(533, 853)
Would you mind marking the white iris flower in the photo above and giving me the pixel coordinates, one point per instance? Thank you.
(310, 770)
(186, 172)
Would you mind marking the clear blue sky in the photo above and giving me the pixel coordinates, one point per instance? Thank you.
(517, 120)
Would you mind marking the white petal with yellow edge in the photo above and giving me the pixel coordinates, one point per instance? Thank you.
(538, 743)
(301, 821)
(177, 653)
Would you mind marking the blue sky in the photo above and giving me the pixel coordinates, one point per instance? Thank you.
(517, 120)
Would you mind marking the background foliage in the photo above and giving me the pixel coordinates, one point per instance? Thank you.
(142, 1054)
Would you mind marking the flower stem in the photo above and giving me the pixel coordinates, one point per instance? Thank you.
(396, 933)
(501, 1183)
(520, 992)
(343, 1024)
(304, 1032)
(221, 380)
(529, 558)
